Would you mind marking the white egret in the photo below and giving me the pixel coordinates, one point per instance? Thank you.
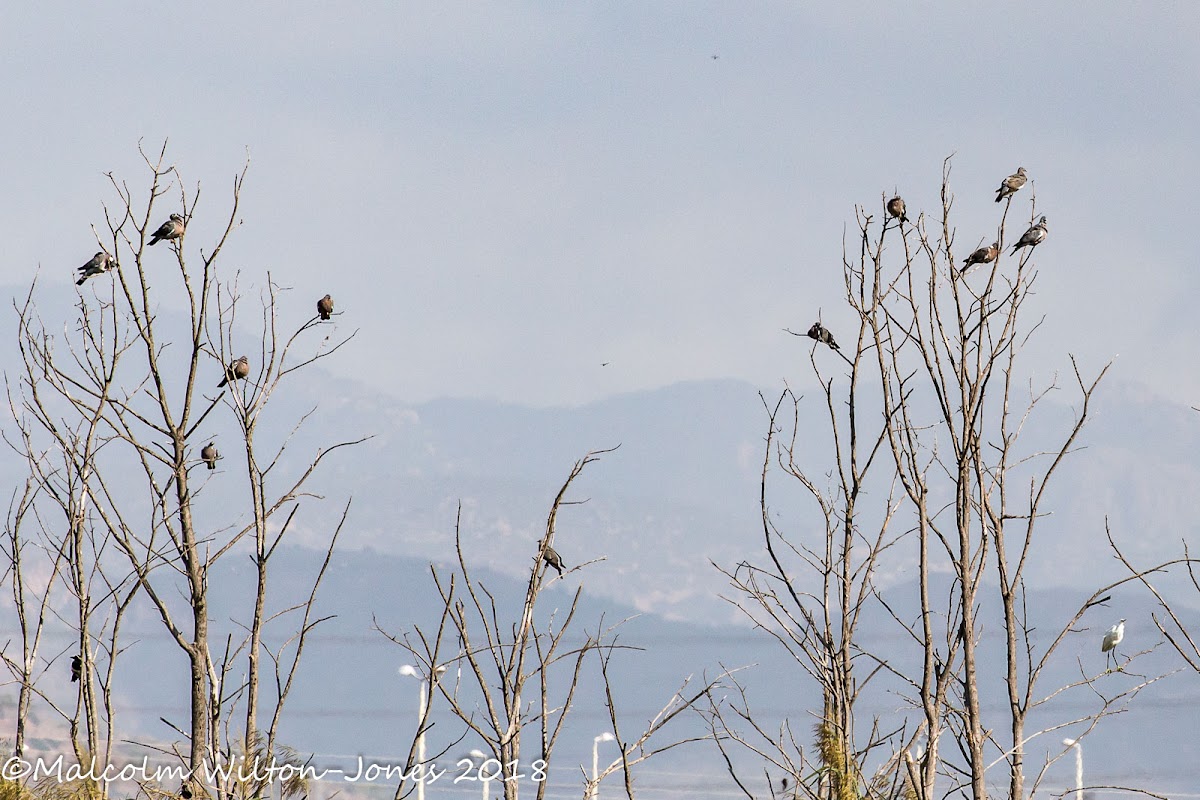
(1113, 638)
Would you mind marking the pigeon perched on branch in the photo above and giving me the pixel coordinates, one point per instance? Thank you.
(1010, 185)
(984, 255)
(171, 229)
(1032, 237)
(210, 455)
(76, 668)
(822, 334)
(101, 263)
(236, 371)
(552, 558)
(895, 207)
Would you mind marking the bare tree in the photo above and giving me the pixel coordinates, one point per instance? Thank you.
(934, 380)
(519, 674)
(31, 599)
(123, 408)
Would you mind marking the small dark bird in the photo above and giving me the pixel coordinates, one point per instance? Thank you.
(822, 334)
(101, 263)
(553, 559)
(185, 791)
(1011, 184)
(895, 207)
(171, 229)
(1032, 237)
(325, 307)
(984, 255)
(76, 668)
(209, 454)
(236, 371)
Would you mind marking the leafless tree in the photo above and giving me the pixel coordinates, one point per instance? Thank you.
(121, 399)
(924, 414)
(519, 673)
(31, 599)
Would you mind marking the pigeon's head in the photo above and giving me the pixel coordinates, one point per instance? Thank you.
(177, 218)
(1021, 171)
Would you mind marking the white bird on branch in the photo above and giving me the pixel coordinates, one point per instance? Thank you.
(1113, 638)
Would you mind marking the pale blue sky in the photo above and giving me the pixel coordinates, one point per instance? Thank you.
(504, 196)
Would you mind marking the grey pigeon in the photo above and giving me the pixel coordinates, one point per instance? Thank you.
(210, 455)
(1032, 237)
(76, 668)
(101, 263)
(325, 307)
(553, 559)
(171, 229)
(822, 334)
(1011, 184)
(984, 255)
(895, 207)
(236, 371)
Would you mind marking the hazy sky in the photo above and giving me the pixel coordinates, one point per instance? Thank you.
(503, 196)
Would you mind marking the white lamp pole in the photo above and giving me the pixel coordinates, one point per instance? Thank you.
(422, 707)
(604, 737)
(1078, 766)
(478, 756)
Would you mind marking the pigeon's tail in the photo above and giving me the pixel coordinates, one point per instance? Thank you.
(224, 381)
(212, 464)
(81, 280)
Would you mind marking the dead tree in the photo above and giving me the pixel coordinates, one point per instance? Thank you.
(957, 488)
(516, 675)
(31, 600)
(135, 390)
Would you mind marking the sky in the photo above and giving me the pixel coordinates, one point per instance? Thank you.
(502, 198)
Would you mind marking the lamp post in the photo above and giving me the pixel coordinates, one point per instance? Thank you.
(422, 708)
(478, 756)
(604, 737)
(1078, 766)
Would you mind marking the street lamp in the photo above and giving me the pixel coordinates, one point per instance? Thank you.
(604, 737)
(422, 708)
(477, 756)
(1078, 766)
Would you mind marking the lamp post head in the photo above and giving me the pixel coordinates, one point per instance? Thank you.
(410, 671)
(1070, 742)
(604, 737)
